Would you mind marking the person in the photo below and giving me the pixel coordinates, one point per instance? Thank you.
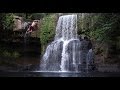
(32, 27)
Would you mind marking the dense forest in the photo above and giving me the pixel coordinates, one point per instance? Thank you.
(103, 29)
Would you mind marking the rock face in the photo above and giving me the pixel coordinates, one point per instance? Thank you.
(17, 23)
(21, 26)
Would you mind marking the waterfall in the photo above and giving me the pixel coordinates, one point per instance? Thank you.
(64, 53)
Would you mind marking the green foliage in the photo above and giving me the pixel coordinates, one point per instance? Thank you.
(9, 54)
(37, 15)
(6, 54)
(7, 21)
(15, 54)
(100, 26)
(104, 30)
(20, 14)
(47, 29)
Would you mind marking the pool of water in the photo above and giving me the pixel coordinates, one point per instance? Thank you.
(58, 74)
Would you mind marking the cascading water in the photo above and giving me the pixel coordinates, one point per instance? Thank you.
(64, 53)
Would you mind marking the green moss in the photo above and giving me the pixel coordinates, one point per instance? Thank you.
(6, 54)
(9, 54)
(15, 54)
